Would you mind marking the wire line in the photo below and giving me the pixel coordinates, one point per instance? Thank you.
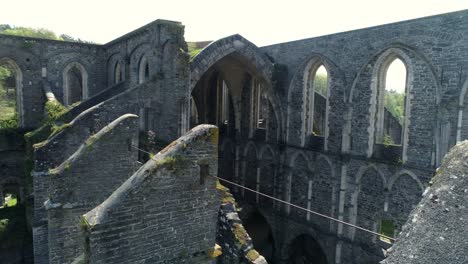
(293, 205)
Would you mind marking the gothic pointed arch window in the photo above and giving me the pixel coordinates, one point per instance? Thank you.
(392, 103)
(320, 94)
(259, 105)
(222, 93)
(391, 86)
(317, 92)
(11, 85)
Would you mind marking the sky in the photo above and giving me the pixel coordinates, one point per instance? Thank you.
(396, 77)
(263, 22)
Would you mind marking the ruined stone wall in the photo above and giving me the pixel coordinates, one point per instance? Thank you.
(352, 177)
(42, 62)
(164, 93)
(345, 173)
(234, 241)
(164, 213)
(84, 180)
(436, 230)
(435, 48)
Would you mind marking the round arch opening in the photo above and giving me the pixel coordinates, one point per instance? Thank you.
(304, 249)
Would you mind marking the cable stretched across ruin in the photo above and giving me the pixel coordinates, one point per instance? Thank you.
(295, 206)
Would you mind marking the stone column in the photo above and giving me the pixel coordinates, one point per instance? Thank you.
(2, 198)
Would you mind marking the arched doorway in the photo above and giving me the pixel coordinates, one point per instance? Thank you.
(304, 249)
(11, 93)
(75, 79)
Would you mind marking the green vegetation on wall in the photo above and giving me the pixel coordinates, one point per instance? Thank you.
(196, 47)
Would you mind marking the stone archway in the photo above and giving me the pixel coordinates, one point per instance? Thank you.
(304, 249)
(75, 83)
(241, 63)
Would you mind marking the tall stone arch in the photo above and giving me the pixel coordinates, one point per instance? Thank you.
(246, 51)
(404, 193)
(368, 202)
(299, 176)
(250, 171)
(268, 174)
(323, 191)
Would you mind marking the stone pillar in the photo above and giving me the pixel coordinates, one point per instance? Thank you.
(20, 195)
(341, 208)
(2, 198)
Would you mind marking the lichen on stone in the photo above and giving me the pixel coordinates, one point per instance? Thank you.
(252, 255)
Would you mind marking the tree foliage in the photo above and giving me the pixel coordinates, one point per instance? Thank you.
(37, 33)
(4, 73)
(321, 84)
(28, 32)
(395, 104)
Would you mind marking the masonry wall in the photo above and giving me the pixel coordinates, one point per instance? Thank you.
(11, 164)
(164, 213)
(84, 180)
(345, 173)
(235, 243)
(41, 63)
(352, 180)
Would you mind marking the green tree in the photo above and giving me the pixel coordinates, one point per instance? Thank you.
(38, 33)
(4, 27)
(395, 104)
(31, 32)
(321, 84)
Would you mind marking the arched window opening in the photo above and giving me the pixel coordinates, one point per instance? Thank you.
(193, 113)
(320, 97)
(75, 85)
(259, 105)
(222, 111)
(392, 108)
(118, 73)
(143, 70)
(305, 249)
(10, 94)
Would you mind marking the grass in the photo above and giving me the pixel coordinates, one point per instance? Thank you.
(195, 47)
(7, 103)
(387, 228)
(8, 119)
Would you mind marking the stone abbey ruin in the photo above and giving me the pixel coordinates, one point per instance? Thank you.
(307, 122)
